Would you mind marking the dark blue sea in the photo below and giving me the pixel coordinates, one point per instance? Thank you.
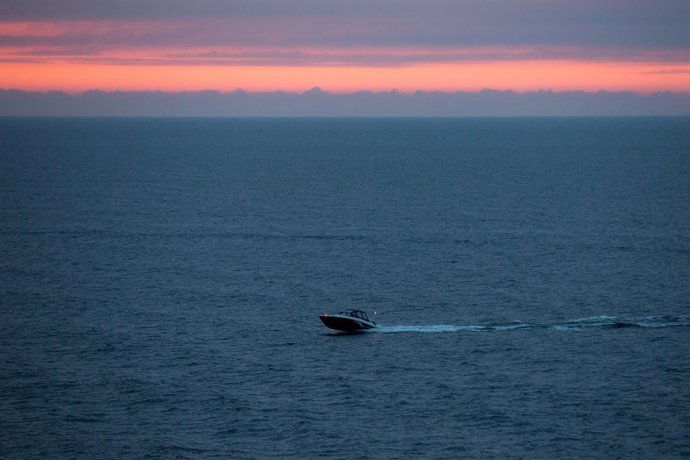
(161, 282)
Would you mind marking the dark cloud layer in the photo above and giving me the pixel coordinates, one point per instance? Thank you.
(359, 104)
(628, 23)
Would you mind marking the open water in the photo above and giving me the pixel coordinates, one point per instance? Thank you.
(161, 281)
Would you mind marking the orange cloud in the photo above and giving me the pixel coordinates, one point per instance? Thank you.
(528, 75)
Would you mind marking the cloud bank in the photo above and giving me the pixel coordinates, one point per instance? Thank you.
(270, 30)
(318, 103)
(345, 45)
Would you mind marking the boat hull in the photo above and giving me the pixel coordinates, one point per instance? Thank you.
(347, 324)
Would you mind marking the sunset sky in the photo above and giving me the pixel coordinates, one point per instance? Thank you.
(345, 45)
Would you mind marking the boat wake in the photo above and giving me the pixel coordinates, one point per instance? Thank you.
(580, 324)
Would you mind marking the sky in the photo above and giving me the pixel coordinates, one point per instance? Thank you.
(343, 46)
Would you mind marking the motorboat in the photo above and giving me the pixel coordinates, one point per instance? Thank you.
(348, 320)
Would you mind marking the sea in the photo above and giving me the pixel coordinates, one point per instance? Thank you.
(161, 281)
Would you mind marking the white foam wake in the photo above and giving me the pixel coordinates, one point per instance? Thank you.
(579, 324)
(429, 328)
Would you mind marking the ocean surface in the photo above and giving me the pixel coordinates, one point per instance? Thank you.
(161, 281)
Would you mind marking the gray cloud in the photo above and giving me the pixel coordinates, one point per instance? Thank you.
(88, 53)
(359, 104)
(630, 23)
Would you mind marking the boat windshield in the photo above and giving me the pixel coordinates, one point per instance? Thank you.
(356, 314)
